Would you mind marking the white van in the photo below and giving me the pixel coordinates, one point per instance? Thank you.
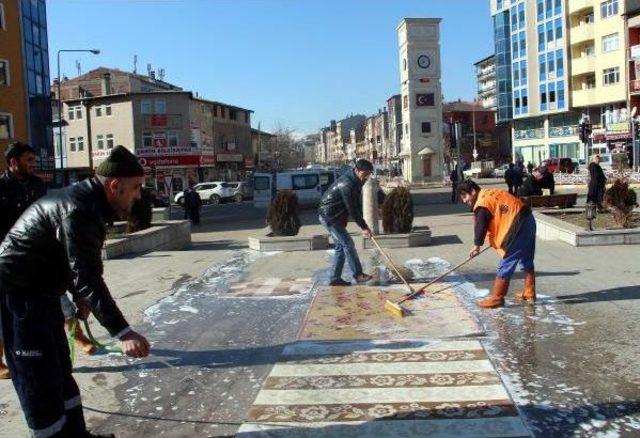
(308, 185)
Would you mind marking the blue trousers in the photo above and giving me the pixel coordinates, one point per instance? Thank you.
(40, 365)
(521, 252)
(344, 248)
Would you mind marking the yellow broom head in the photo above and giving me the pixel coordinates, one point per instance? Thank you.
(394, 309)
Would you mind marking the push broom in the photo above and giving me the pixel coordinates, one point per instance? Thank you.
(396, 310)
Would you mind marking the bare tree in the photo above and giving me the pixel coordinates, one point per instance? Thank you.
(286, 151)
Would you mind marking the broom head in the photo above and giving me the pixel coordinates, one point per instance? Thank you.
(394, 309)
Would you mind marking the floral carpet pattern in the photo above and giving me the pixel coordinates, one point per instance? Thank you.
(383, 388)
(357, 312)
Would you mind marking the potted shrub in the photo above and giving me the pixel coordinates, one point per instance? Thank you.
(282, 216)
(397, 211)
(621, 200)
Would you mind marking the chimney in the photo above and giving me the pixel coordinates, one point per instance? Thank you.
(106, 84)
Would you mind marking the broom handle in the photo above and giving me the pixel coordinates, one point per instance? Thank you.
(413, 291)
(408, 297)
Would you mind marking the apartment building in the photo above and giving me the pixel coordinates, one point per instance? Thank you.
(567, 59)
(486, 82)
(25, 109)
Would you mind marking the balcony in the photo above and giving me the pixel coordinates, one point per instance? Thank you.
(584, 97)
(582, 33)
(563, 131)
(583, 65)
(528, 134)
(579, 6)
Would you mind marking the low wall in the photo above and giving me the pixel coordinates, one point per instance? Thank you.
(551, 228)
(163, 235)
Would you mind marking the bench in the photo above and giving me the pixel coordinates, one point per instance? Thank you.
(563, 201)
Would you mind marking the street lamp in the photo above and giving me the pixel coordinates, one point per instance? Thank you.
(95, 52)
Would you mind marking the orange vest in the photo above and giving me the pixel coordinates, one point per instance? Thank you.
(504, 209)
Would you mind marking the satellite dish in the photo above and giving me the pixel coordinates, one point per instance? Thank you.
(634, 111)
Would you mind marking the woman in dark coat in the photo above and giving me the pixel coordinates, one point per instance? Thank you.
(597, 181)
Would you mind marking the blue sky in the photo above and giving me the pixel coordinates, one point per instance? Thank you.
(299, 63)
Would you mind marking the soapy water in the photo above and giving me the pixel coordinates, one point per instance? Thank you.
(549, 406)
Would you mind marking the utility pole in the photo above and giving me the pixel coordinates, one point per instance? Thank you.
(458, 135)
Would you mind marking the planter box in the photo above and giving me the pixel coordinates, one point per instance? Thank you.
(567, 200)
(550, 228)
(268, 242)
(420, 236)
(160, 214)
(162, 236)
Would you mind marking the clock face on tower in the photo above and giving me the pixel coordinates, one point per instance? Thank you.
(424, 61)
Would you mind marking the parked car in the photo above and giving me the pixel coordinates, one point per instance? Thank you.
(213, 192)
(241, 190)
(499, 171)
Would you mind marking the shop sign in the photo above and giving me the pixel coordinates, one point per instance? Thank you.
(236, 158)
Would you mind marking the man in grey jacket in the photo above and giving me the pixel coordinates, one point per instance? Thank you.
(341, 201)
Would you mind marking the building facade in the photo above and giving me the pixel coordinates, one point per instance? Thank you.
(394, 110)
(568, 61)
(25, 106)
(422, 156)
(479, 134)
(486, 82)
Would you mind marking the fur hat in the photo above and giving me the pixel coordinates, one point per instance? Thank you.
(120, 163)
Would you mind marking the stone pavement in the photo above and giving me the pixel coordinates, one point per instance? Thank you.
(567, 363)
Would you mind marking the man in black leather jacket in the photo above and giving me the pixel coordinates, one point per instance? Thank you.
(19, 188)
(341, 201)
(56, 246)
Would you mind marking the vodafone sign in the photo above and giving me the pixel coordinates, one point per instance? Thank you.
(177, 161)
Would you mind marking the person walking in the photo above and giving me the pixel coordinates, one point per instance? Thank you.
(511, 229)
(597, 183)
(508, 178)
(454, 177)
(60, 237)
(19, 188)
(518, 177)
(341, 201)
(192, 205)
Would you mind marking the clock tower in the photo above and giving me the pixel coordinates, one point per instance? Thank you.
(421, 145)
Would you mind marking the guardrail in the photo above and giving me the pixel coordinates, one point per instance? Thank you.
(583, 177)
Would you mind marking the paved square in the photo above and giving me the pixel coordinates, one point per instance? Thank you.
(383, 389)
(357, 312)
(271, 287)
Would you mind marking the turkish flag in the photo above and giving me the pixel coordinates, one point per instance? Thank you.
(426, 99)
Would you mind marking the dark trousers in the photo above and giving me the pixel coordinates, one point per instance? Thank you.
(194, 215)
(454, 195)
(38, 359)
(510, 188)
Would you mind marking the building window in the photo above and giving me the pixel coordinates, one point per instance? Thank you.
(146, 106)
(542, 67)
(4, 72)
(610, 43)
(516, 75)
(2, 20)
(523, 44)
(147, 139)
(525, 101)
(523, 73)
(543, 97)
(589, 51)
(247, 117)
(521, 15)
(107, 110)
(552, 95)
(549, 31)
(514, 47)
(551, 65)
(405, 101)
(222, 112)
(173, 139)
(232, 114)
(608, 8)
(72, 144)
(499, 4)
(100, 141)
(426, 127)
(560, 94)
(80, 141)
(99, 111)
(549, 8)
(558, 28)
(6, 126)
(160, 106)
(560, 63)
(541, 41)
(611, 76)
(74, 112)
(540, 10)
(109, 141)
(215, 110)
(558, 7)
